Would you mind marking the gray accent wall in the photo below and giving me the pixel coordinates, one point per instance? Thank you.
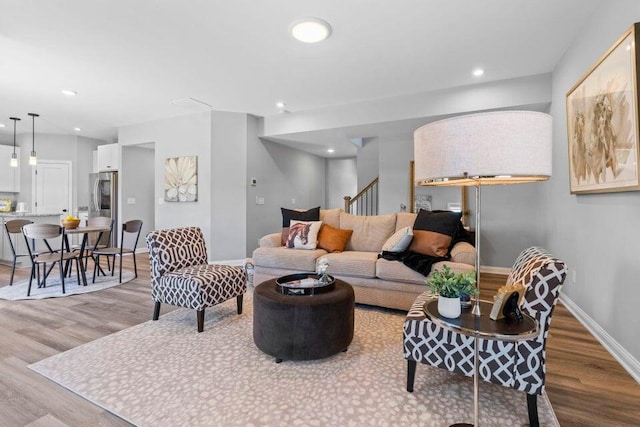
(136, 180)
(596, 234)
(283, 174)
(228, 185)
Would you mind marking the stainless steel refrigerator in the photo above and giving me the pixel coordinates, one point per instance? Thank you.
(103, 200)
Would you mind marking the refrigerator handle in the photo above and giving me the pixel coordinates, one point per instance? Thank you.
(96, 196)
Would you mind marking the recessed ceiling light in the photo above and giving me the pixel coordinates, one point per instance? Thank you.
(77, 129)
(331, 150)
(2, 125)
(478, 72)
(280, 104)
(69, 92)
(310, 30)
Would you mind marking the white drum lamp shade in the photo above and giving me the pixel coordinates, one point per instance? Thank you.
(503, 147)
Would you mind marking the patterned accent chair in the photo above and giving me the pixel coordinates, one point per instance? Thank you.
(180, 274)
(519, 365)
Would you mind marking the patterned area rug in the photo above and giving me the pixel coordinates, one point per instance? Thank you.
(164, 373)
(53, 289)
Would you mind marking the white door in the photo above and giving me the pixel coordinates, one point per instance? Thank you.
(52, 187)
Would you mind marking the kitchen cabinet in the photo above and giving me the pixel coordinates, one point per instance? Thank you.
(9, 177)
(108, 157)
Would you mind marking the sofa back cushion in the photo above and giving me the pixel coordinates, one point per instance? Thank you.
(331, 217)
(405, 219)
(369, 232)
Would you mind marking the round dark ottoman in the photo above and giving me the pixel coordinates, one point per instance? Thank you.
(302, 327)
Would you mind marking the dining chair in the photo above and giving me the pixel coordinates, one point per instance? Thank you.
(128, 242)
(43, 232)
(13, 228)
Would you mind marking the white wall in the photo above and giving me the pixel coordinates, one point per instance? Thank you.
(341, 180)
(74, 148)
(596, 234)
(367, 162)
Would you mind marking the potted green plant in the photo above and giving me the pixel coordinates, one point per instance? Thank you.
(449, 287)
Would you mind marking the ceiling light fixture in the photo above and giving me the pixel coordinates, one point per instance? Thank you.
(331, 150)
(280, 105)
(14, 156)
(478, 72)
(69, 92)
(310, 30)
(77, 129)
(33, 160)
(2, 125)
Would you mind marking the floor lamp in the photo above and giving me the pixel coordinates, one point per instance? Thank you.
(502, 147)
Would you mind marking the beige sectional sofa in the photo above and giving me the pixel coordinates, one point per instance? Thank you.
(376, 281)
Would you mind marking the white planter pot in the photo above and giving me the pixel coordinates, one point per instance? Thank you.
(449, 307)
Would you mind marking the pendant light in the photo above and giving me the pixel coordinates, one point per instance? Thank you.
(14, 156)
(33, 160)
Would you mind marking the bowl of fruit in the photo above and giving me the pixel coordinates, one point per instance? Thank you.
(70, 222)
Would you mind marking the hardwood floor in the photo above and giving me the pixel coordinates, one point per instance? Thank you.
(585, 384)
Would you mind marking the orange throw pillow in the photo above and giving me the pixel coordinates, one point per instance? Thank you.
(333, 239)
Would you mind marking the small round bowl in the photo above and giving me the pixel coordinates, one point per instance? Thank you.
(70, 223)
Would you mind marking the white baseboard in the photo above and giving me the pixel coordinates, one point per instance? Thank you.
(495, 270)
(628, 362)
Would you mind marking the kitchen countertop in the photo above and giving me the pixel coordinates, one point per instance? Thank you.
(27, 214)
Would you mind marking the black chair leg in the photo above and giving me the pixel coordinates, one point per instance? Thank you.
(62, 277)
(120, 272)
(156, 311)
(135, 266)
(200, 315)
(33, 266)
(13, 270)
(239, 303)
(411, 374)
(532, 406)
(96, 264)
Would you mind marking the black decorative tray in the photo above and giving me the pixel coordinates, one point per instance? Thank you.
(305, 284)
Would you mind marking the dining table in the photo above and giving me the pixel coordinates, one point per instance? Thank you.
(85, 231)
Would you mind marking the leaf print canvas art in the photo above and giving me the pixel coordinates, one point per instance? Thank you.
(181, 179)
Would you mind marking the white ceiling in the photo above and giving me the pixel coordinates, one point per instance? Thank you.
(129, 59)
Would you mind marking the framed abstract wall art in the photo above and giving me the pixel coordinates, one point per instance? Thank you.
(181, 179)
(602, 122)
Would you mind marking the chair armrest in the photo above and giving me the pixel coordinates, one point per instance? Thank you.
(464, 253)
(273, 240)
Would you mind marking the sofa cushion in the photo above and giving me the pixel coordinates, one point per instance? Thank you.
(405, 219)
(300, 215)
(352, 263)
(433, 232)
(331, 217)
(303, 234)
(369, 232)
(396, 271)
(333, 239)
(282, 257)
(399, 241)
